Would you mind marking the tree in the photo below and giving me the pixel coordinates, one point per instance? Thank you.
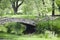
(3, 5)
(15, 4)
(28, 7)
(37, 6)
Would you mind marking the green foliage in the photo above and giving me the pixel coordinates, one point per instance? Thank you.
(42, 26)
(4, 4)
(56, 25)
(1, 12)
(34, 7)
(15, 28)
(58, 2)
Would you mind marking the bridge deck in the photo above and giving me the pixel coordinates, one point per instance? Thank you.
(25, 21)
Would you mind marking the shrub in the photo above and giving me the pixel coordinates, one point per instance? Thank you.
(15, 28)
(42, 26)
(51, 25)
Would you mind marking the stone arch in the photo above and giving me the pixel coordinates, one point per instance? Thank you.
(30, 24)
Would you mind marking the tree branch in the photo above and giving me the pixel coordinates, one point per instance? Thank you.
(17, 3)
(20, 3)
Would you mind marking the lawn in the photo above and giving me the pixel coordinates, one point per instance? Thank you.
(6, 36)
(19, 16)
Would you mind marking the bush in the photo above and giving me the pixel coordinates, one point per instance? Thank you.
(56, 26)
(51, 25)
(42, 26)
(15, 28)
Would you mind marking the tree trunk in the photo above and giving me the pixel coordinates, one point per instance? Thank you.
(15, 10)
(53, 8)
(59, 9)
(16, 5)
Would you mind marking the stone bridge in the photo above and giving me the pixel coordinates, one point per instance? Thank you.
(25, 21)
(30, 24)
(21, 20)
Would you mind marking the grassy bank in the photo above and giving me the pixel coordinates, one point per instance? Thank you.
(6, 36)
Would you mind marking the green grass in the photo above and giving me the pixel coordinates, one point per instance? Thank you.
(37, 39)
(25, 37)
(6, 35)
(21, 16)
(18, 16)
